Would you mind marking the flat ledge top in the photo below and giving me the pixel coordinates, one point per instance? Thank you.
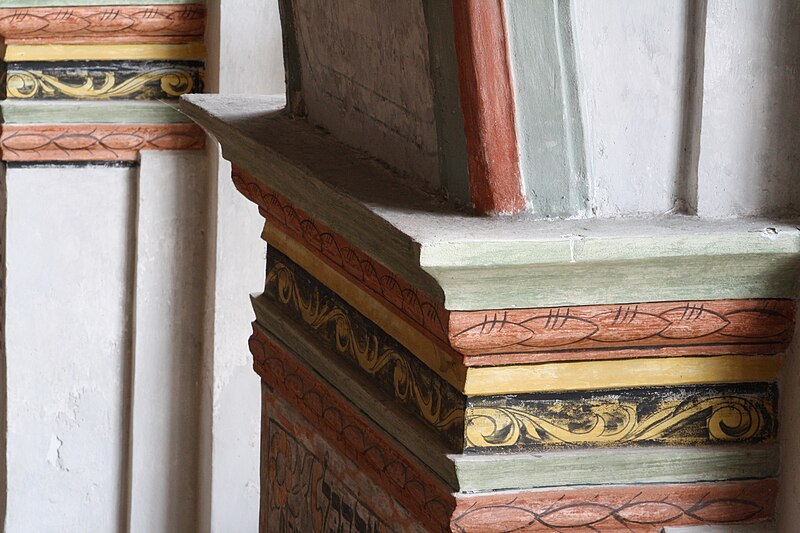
(414, 234)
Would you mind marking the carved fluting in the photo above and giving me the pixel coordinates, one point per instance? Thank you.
(692, 416)
(103, 24)
(615, 509)
(368, 349)
(145, 81)
(95, 142)
(385, 285)
(349, 432)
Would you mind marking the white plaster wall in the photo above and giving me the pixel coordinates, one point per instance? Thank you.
(630, 61)
(750, 143)
(132, 402)
(231, 390)
(167, 311)
(69, 260)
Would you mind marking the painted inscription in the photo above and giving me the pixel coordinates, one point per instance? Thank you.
(303, 498)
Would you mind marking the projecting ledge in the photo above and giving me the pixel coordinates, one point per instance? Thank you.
(467, 262)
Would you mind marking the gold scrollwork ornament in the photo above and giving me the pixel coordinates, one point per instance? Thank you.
(27, 84)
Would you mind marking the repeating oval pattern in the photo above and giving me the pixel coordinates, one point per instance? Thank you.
(104, 23)
(103, 142)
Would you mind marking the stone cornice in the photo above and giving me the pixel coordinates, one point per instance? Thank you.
(466, 262)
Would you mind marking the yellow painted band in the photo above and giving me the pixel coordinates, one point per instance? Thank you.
(103, 52)
(642, 372)
(415, 341)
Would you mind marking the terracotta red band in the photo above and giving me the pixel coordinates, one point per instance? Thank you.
(487, 101)
(103, 24)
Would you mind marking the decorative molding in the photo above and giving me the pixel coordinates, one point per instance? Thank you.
(572, 375)
(103, 81)
(639, 509)
(350, 336)
(28, 4)
(347, 259)
(614, 331)
(362, 393)
(701, 415)
(103, 24)
(84, 112)
(470, 263)
(618, 466)
(620, 373)
(350, 432)
(434, 355)
(518, 336)
(101, 142)
(302, 495)
(99, 55)
(488, 472)
(487, 101)
(658, 416)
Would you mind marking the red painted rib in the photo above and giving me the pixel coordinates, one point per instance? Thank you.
(487, 101)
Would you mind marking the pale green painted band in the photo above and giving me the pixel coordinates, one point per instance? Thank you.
(614, 467)
(476, 263)
(674, 279)
(71, 112)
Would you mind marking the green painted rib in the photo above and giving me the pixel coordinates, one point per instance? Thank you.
(72, 112)
(614, 467)
(476, 473)
(475, 263)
